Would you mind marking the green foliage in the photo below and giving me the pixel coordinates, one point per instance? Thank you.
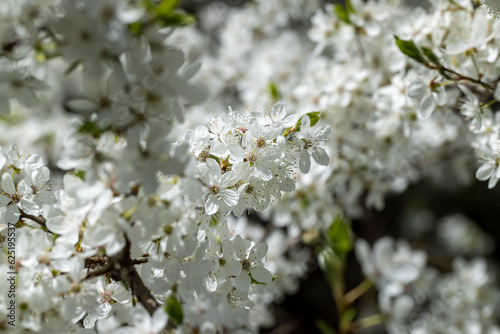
(174, 310)
(331, 264)
(273, 91)
(342, 13)
(324, 327)
(431, 56)
(339, 236)
(348, 316)
(79, 174)
(91, 128)
(410, 49)
(313, 116)
(166, 14)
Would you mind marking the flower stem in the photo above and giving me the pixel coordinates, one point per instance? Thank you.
(358, 291)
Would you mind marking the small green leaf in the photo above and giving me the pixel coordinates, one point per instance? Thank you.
(342, 13)
(349, 6)
(91, 128)
(339, 236)
(324, 327)
(273, 90)
(431, 56)
(136, 27)
(79, 174)
(175, 19)
(313, 117)
(215, 158)
(348, 316)
(410, 49)
(274, 277)
(174, 310)
(167, 7)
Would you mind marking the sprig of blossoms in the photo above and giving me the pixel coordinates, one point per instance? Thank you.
(249, 158)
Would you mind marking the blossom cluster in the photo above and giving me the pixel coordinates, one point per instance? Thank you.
(144, 227)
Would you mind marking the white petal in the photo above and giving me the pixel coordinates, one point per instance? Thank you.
(441, 96)
(258, 252)
(29, 207)
(416, 89)
(218, 148)
(213, 167)
(242, 282)
(191, 70)
(262, 172)
(229, 198)
(8, 184)
(228, 179)
(211, 207)
(493, 181)
(304, 161)
(4, 201)
(240, 247)
(12, 214)
(320, 156)
(427, 105)
(305, 126)
(83, 106)
(279, 111)
(2, 158)
(485, 171)
(261, 275)
(159, 320)
(233, 268)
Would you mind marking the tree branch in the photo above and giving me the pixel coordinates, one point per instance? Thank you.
(37, 219)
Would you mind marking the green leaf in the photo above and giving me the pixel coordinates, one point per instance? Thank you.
(79, 174)
(339, 236)
(342, 13)
(349, 6)
(348, 316)
(174, 310)
(167, 7)
(431, 56)
(175, 19)
(273, 90)
(215, 158)
(136, 27)
(324, 327)
(410, 49)
(313, 117)
(91, 128)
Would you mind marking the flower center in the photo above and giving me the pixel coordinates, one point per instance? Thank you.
(204, 155)
(251, 158)
(16, 198)
(214, 190)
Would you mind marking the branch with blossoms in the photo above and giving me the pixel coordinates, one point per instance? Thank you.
(244, 161)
